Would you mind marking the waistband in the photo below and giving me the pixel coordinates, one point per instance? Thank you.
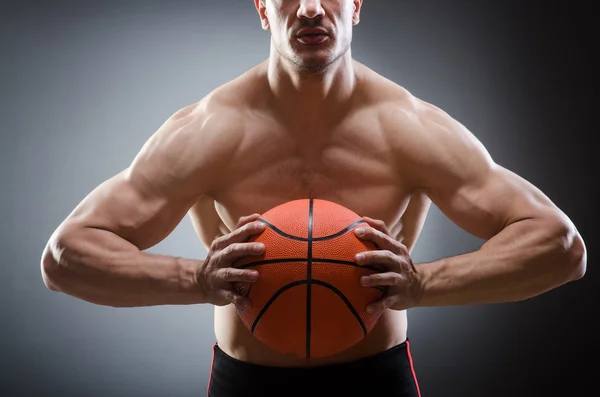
(391, 357)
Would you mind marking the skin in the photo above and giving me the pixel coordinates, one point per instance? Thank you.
(311, 122)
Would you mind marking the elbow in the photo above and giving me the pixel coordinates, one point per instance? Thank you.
(51, 268)
(577, 258)
(572, 253)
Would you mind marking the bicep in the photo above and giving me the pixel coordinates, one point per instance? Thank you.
(477, 194)
(138, 214)
(488, 201)
(145, 202)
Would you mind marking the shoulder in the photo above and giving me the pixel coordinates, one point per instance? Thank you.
(197, 138)
(192, 129)
(224, 109)
(215, 121)
(237, 95)
(408, 119)
(396, 103)
(427, 140)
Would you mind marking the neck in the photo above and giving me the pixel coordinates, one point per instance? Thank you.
(305, 95)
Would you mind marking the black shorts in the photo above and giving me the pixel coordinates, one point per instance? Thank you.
(389, 373)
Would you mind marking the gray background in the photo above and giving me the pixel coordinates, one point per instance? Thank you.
(84, 84)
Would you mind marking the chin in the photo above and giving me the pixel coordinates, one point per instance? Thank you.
(313, 63)
(313, 66)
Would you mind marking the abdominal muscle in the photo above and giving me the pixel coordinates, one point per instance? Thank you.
(238, 342)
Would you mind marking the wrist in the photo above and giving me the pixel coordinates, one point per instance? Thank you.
(189, 281)
(423, 281)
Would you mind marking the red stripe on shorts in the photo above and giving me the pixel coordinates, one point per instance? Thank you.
(212, 363)
(412, 368)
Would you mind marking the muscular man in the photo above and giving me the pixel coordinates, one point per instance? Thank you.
(311, 122)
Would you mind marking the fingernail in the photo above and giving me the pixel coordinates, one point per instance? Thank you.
(360, 257)
(370, 310)
(359, 231)
(260, 225)
(259, 247)
(253, 274)
(364, 280)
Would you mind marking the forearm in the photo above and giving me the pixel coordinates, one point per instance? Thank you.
(99, 267)
(524, 260)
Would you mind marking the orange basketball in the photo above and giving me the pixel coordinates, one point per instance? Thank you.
(308, 301)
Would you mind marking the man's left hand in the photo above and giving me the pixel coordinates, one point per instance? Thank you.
(401, 280)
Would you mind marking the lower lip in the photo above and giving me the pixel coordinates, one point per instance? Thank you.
(313, 39)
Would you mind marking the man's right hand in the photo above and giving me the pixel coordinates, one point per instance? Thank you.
(216, 276)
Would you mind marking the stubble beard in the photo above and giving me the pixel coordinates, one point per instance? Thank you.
(314, 66)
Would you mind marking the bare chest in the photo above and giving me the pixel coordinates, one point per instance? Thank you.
(351, 165)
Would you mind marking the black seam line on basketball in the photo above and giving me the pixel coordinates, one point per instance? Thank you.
(322, 260)
(314, 281)
(346, 301)
(291, 236)
(272, 299)
(309, 276)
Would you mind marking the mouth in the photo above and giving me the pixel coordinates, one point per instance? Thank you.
(312, 36)
(313, 39)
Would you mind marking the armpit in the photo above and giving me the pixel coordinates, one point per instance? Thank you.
(408, 228)
(206, 221)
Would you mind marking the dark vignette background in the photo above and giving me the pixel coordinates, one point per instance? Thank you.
(85, 83)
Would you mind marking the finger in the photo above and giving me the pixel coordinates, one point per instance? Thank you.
(238, 300)
(384, 303)
(388, 259)
(246, 219)
(379, 238)
(236, 251)
(387, 279)
(246, 231)
(233, 275)
(239, 235)
(377, 224)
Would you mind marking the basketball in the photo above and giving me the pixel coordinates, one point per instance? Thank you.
(308, 301)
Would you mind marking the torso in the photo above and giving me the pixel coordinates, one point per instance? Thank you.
(350, 162)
